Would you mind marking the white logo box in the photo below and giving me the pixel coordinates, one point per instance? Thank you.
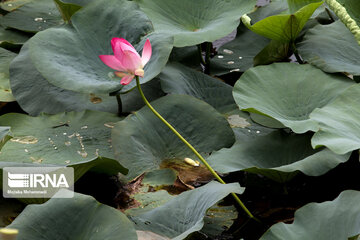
(38, 182)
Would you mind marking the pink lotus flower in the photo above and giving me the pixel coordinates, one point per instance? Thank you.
(126, 60)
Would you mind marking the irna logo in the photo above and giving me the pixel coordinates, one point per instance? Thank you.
(33, 180)
(38, 182)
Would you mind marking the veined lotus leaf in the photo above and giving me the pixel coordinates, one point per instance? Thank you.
(176, 78)
(77, 139)
(65, 217)
(142, 142)
(11, 5)
(5, 92)
(332, 48)
(195, 22)
(278, 156)
(339, 122)
(295, 5)
(33, 16)
(77, 66)
(186, 211)
(13, 37)
(288, 92)
(337, 219)
(284, 27)
(36, 95)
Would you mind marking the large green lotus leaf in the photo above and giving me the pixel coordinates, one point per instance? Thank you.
(8, 36)
(141, 141)
(295, 5)
(36, 95)
(331, 48)
(10, 5)
(337, 219)
(338, 121)
(288, 92)
(277, 156)
(33, 16)
(195, 22)
(176, 78)
(77, 66)
(77, 139)
(285, 27)
(80, 217)
(353, 9)
(5, 92)
(186, 211)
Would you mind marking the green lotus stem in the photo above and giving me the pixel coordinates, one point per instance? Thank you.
(118, 99)
(344, 16)
(191, 147)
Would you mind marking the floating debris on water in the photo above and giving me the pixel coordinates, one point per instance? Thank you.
(84, 127)
(258, 131)
(26, 150)
(235, 70)
(240, 57)
(68, 143)
(39, 19)
(230, 62)
(67, 161)
(220, 56)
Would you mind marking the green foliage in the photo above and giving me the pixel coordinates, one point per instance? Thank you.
(284, 27)
(274, 91)
(79, 140)
(187, 211)
(278, 156)
(192, 22)
(337, 219)
(67, 9)
(293, 123)
(142, 142)
(332, 48)
(65, 218)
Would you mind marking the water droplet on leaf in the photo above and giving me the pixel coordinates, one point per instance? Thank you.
(228, 51)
